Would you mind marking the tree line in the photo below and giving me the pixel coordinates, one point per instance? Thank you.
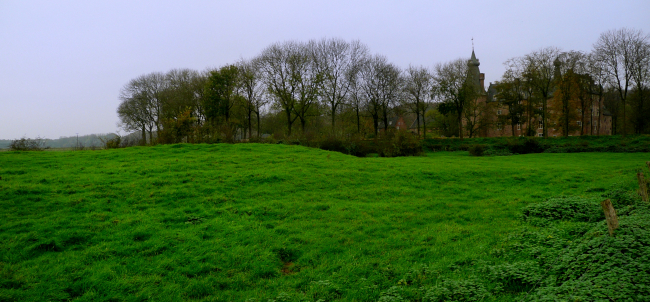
(332, 87)
(562, 87)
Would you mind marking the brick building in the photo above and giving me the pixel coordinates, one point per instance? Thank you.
(491, 113)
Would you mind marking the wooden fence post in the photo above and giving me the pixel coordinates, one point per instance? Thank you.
(643, 187)
(610, 216)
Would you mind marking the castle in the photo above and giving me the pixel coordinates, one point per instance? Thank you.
(489, 114)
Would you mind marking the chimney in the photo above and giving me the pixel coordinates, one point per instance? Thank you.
(481, 79)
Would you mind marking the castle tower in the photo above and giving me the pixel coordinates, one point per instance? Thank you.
(474, 74)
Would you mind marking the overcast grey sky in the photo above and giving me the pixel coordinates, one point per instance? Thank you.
(62, 63)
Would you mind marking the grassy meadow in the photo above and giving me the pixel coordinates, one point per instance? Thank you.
(254, 222)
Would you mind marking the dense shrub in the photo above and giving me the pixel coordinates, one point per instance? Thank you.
(117, 141)
(600, 267)
(450, 290)
(570, 208)
(356, 146)
(111, 143)
(515, 277)
(332, 143)
(620, 197)
(525, 146)
(476, 150)
(28, 144)
(398, 143)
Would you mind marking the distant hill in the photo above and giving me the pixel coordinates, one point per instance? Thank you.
(92, 140)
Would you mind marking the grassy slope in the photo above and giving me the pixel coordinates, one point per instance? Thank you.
(230, 222)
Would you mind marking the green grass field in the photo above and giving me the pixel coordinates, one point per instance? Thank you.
(257, 222)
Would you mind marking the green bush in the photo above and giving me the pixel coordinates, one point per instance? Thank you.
(476, 150)
(28, 144)
(525, 146)
(515, 277)
(398, 143)
(601, 267)
(332, 143)
(450, 290)
(112, 143)
(570, 208)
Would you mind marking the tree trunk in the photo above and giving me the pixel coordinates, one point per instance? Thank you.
(600, 113)
(288, 112)
(375, 121)
(591, 117)
(544, 130)
(358, 121)
(333, 119)
(424, 127)
(144, 135)
(259, 135)
(460, 125)
(250, 124)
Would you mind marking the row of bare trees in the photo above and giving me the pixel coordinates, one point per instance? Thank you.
(559, 88)
(334, 87)
(329, 86)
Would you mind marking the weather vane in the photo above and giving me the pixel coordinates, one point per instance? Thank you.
(472, 43)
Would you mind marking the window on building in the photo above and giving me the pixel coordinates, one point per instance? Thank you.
(540, 134)
(499, 112)
(518, 126)
(541, 125)
(499, 126)
(580, 123)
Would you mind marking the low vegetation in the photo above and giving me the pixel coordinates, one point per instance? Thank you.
(275, 222)
(525, 145)
(28, 144)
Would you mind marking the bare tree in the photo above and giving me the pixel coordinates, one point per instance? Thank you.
(134, 115)
(308, 80)
(381, 85)
(360, 57)
(153, 85)
(452, 87)
(197, 87)
(289, 80)
(641, 79)
(620, 52)
(511, 92)
(572, 94)
(141, 105)
(337, 61)
(539, 73)
(252, 89)
(596, 71)
(417, 89)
